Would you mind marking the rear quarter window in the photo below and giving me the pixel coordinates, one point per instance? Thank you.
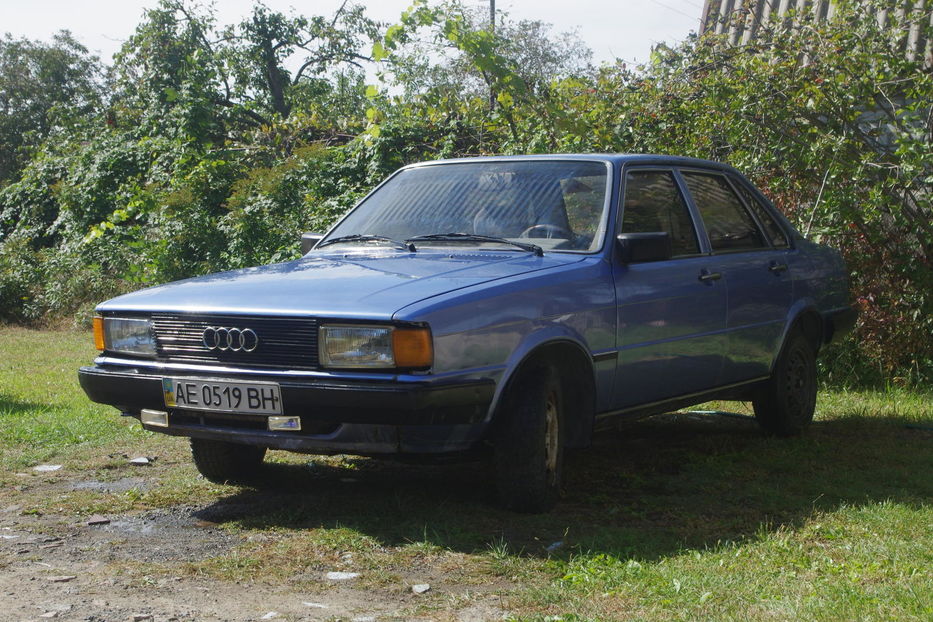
(772, 229)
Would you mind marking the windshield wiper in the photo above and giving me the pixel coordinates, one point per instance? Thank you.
(357, 237)
(473, 237)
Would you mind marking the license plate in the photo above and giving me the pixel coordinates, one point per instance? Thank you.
(260, 398)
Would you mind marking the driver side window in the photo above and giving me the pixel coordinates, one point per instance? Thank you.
(653, 203)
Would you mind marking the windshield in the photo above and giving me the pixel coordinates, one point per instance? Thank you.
(557, 205)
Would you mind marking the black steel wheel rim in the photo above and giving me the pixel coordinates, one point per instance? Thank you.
(798, 383)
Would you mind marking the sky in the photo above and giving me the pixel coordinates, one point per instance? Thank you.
(625, 29)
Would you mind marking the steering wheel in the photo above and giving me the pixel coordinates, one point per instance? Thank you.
(550, 231)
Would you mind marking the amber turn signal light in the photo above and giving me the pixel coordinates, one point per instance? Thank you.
(412, 347)
(99, 333)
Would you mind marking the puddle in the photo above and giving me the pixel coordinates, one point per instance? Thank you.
(133, 526)
(169, 521)
(168, 535)
(120, 485)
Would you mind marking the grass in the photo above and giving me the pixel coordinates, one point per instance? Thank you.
(684, 516)
(866, 562)
(43, 412)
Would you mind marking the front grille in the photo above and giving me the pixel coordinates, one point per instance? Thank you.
(284, 343)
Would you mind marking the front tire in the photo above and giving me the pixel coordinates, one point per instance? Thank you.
(226, 463)
(529, 442)
(785, 405)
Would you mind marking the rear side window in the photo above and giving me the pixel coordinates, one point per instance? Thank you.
(775, 233)
(654, 203)
(728, 223)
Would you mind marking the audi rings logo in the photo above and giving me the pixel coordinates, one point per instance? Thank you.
(230, 339)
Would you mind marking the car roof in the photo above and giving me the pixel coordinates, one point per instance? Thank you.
(614, 158)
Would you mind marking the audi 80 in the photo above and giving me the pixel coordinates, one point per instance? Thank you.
(513, 304)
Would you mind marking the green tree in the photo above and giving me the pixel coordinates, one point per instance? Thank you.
(44, 87)
(257, 50)
(463, 54)
(182, 72)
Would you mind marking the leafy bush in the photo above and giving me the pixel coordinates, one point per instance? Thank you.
(270, 207)
(199, 162)
(57, 283)
(19, 277)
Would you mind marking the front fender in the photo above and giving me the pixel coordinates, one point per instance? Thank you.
(536, 342)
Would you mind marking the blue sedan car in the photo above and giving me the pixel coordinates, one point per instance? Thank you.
(511, 303)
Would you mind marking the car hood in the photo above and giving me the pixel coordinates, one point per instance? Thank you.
(371, 285)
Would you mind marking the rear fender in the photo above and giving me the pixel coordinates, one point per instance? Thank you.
(798, 315)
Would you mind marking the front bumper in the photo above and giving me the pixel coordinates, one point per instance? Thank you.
(337, 415)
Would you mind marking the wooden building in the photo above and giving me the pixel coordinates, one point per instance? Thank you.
(741, 20)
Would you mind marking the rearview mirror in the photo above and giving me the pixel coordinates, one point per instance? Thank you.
(642, 247)
(308, 240)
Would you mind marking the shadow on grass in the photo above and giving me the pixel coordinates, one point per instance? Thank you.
(15, 408)
(660, 485)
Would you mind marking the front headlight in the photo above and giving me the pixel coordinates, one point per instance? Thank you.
(129, 336)
(374, 347)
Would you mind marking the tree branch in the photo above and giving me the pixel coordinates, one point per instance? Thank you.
(180, 7)
(333, 22)
(258, 119)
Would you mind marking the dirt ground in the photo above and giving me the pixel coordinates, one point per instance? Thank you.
(57, 566)
(170, 546)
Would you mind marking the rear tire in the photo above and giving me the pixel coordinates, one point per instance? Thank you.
(226, 463)
(785, 405)
(529, 442)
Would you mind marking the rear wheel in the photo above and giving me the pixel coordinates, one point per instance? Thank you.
(226, 463)
(529, 442)
(785, 405)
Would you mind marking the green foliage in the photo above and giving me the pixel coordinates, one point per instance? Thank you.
(36, 285)
(181, 76)
(19, 274)
(43, 88)
(219, 145)
(270, 207)
(267, 40)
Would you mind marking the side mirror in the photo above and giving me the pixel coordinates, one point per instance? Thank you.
(308, 240)
(642, 247)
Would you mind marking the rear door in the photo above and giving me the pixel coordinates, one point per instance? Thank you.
(756, 268)
(671, 314)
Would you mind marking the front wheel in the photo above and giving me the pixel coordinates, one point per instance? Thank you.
(226, 463)
(785, 405)
(529, 443)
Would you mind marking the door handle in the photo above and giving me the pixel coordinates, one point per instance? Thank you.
(777, 268)
(707, 277)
